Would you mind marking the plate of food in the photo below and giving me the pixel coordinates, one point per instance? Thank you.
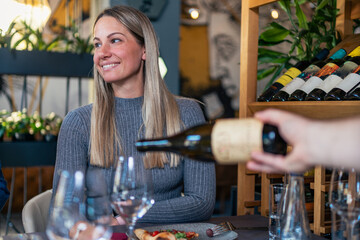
(187, 231)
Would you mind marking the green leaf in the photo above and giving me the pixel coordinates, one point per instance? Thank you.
(263, 73)
(275, 76)
(276, 25)
(301, 16)
(268, 59)
(285, 5)
(265, 43)
(274, 35)
(268, 51)
(322, 4)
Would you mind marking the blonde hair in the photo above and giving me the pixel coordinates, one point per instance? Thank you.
(158, 100)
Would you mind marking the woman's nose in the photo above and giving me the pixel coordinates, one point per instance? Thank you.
(104, 51)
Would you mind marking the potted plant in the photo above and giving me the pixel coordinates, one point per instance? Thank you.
(39, 58)
(52, 124)
(18, 126)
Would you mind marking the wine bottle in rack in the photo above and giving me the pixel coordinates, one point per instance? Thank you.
(284, 93)
(227, 141)
(354, 93)
(290, 75)
(340, 91)
(314, 81)
(352, 61)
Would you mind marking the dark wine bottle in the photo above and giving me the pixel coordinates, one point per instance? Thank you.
(344, 87)
(352, 61)
(227, 141)
(314, 81)
(290, 75)
(354, 94)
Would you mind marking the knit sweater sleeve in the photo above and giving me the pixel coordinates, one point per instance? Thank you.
(72, 145)
(199, 184)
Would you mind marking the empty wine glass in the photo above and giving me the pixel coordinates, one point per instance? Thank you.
(99, 215)
(344, 199)
(132, 194)
(66, 208)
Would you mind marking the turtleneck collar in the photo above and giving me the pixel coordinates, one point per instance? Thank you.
(129, 102)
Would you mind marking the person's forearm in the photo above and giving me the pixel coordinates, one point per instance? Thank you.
(335, 143)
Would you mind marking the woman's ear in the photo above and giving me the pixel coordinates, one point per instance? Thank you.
(143, 57)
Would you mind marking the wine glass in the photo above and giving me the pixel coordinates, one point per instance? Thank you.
(99, 215)
(66, 206)
(344, 199)
(132, 193)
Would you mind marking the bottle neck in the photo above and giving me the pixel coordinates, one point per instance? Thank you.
(153, 145)
(272, 141)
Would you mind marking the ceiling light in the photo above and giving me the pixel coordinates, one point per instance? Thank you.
(194, 13)
(274, 14)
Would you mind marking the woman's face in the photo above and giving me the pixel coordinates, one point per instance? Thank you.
(118, 57)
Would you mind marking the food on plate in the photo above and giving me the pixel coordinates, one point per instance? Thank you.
(170, 234)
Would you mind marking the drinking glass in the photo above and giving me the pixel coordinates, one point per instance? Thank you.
(277, 193)
(69, 212)
(132, 194)
(66, 206)
(99, 215)
(344, 199)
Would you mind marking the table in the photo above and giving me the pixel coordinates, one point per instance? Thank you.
(244, 221)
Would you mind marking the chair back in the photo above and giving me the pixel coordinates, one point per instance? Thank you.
(35, 212)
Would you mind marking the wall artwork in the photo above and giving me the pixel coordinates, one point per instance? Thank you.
(223, 33)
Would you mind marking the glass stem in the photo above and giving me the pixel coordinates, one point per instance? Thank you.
(351, 229)
(130, 232)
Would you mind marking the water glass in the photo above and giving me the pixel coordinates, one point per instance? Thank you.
(344, 199)
(132, 194)
(276, 208)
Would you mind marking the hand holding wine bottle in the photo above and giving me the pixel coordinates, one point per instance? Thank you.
(228, 141)
(331, 143)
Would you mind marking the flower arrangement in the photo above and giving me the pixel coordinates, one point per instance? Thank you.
(52, 124)
(20, 126)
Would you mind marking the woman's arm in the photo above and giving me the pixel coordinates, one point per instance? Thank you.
(72, 145)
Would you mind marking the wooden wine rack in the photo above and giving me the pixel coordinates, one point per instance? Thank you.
(349, 9)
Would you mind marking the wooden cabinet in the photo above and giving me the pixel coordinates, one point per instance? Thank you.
(320, 110)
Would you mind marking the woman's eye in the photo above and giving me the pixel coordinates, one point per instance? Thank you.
(115, 40)
(96, 45)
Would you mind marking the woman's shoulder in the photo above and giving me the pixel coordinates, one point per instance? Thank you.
(184, 103)
(190, 111)
(81, 114)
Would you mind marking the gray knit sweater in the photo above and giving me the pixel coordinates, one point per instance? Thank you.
(195, 179)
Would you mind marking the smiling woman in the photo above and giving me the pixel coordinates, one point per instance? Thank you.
(132, 101)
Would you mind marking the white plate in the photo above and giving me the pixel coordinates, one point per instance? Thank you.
(199, 228)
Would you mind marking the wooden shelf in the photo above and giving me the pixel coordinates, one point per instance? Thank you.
(324, 187)
(259, 3)
(348, 9)
(319, 110)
